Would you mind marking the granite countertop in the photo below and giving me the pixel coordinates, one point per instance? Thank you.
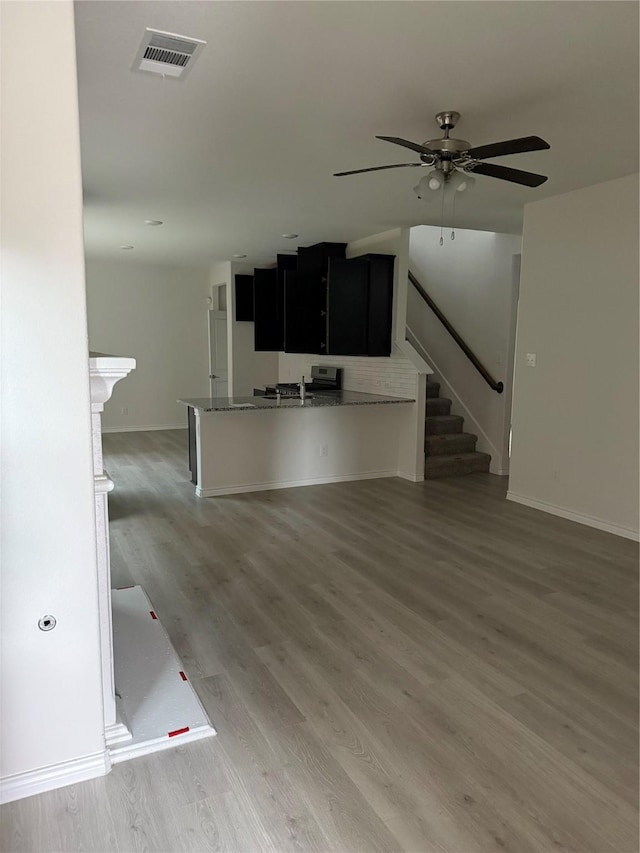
(313, 400)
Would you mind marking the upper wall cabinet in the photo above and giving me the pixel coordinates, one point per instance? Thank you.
(285, 265)
(304, 312)
(267, 325)
(314, 260)
(319, 302)
(268, 303)
(244, 298)
(360, 306)
(305, 328)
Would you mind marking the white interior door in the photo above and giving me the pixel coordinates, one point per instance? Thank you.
(218, 365)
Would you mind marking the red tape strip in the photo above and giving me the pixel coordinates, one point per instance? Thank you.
(183, 676)
(153, 615)
(178, 731)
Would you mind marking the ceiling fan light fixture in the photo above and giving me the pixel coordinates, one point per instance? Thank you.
(421, 189)
(461, 182)
(428, 185)
(435, 180)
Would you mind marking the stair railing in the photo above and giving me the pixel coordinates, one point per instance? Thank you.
(473, 358)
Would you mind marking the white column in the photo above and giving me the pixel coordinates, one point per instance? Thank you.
(105, 371)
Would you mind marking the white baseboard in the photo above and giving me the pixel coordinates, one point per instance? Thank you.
(21, 785)
(143, 428)
(117, 733)
(413, 478)
(589, 520)
(290, 484)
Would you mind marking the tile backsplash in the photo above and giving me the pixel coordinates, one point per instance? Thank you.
(394, 376)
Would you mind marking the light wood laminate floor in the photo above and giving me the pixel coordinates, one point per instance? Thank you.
(390, 666)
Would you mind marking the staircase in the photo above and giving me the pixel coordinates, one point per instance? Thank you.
(450, 452)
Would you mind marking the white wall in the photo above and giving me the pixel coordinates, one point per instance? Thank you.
(472, 280)
(51, 696)
(248, 369)
(158, 315)
(575, 415)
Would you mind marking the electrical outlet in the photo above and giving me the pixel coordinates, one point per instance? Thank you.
(324, 450)
(531, 359)
(124, 411)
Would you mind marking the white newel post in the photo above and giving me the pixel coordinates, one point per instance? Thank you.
(105, 371)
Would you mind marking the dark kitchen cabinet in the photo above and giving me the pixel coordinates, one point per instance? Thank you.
(284, 265)
(319, 302)
(347, 306)
(244, 297)
(359, 305)
(269, 304)
(305, 327)
(380, 313)
(314, 260)
(304, 315)
(268, 327)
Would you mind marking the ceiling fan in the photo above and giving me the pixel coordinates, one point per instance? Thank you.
(448, 156)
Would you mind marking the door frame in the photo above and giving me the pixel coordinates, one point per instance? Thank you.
(216, 314)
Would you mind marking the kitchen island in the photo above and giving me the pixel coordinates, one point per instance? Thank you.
(245, 444)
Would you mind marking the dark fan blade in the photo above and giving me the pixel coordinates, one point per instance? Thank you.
(406, 144)
(510, 146)
(516, 176)
(375, 169)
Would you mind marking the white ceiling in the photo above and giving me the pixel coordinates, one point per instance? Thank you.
(286, 93)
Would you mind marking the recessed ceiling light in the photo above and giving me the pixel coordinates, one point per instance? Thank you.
(127, 247)
(290, 236)
(153, 222)
(239, 256)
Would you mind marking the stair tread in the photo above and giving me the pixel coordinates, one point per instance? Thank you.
(450, 436)
(438, 424)
(438, 406)
(442, 418)
(461, 457)
(456, 464)
(447, 443)
(457, 417)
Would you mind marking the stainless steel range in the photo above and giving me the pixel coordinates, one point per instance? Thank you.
(323, 378)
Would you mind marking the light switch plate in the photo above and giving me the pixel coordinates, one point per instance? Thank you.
(531, 359)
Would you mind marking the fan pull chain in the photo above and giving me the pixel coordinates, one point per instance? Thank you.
(442, 216)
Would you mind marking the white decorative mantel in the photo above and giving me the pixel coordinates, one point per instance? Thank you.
(105, 371)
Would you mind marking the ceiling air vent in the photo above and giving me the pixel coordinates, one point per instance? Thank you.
(167, 54)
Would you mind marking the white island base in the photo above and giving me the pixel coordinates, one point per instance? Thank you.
(257, 449)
